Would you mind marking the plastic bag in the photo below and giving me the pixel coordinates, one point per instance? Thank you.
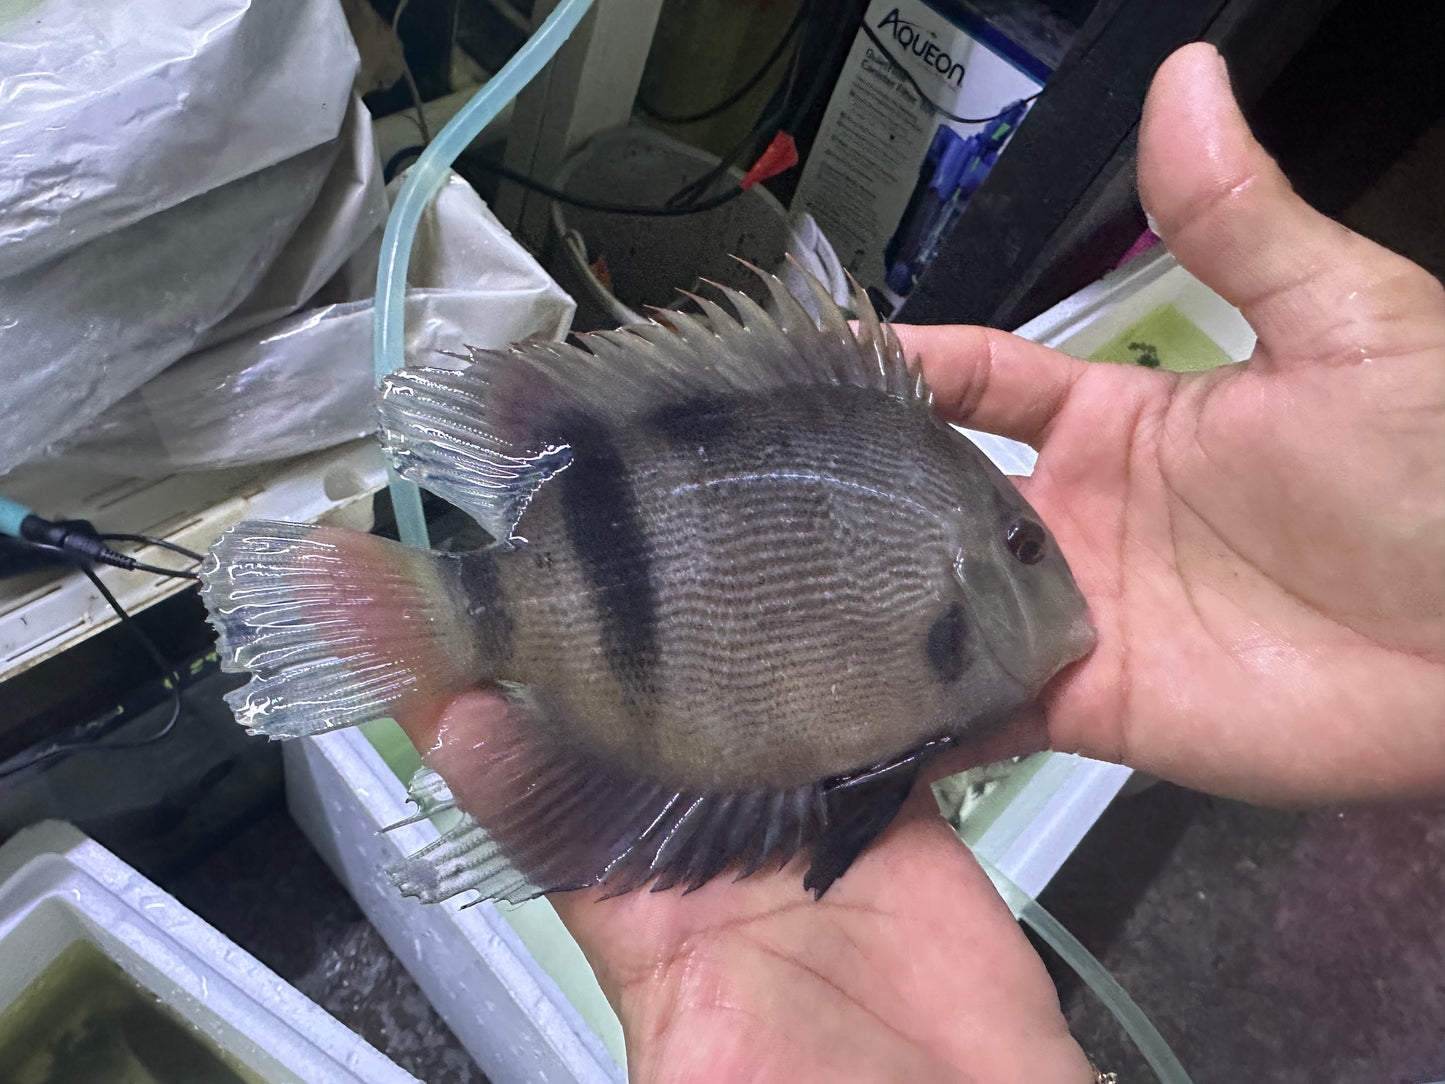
(115, 112)
(155, 161)
(307, 382)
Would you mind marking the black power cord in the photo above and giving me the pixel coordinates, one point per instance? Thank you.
(169, 676)
(161, 542)
(774, 116)
(690, 198)
(470, 163)
(77, 538)
(77, 543)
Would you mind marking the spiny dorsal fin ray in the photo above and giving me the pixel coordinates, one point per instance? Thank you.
(486, 437)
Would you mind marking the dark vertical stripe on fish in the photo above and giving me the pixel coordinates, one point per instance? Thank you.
(602, 521)
(699, 421)
(487, 606)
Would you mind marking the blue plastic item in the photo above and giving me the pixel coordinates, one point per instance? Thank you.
(953, 170)
(12, 515)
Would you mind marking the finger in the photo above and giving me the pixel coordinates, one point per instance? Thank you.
(1311, 289)
(991, 380)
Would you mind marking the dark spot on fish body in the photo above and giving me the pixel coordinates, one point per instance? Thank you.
(946, 643)
(693, 422)
(487, 606)
(601, 518)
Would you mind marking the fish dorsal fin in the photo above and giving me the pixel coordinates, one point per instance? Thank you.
(436, 429)
(487, 436)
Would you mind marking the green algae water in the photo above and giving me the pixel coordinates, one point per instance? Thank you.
(85, 1021)
(1164, 339)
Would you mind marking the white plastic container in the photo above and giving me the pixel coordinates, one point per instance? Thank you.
(1081, 324)
(58, 887)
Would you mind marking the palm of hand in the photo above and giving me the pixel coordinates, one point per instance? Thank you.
(908, 969)
(1251, 543)
(1230, 636)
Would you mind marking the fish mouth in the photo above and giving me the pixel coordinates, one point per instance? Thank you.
(1061, 649)
(1026, 646)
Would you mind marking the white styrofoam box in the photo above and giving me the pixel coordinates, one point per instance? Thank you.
(44, 613)
(57, 887)
(1081, 324)
(1029, 833)
(518, 1020)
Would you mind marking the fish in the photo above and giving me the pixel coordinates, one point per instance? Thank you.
(745, 585)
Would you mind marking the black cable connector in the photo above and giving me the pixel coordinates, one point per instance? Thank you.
(72, 538)
(80, 539)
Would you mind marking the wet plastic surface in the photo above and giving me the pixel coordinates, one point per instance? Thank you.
(162, 181)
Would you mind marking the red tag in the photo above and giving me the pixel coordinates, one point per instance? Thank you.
(781, 155)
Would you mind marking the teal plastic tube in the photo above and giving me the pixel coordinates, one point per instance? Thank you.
(12, 515)
(1136, 1025)
(421, 185)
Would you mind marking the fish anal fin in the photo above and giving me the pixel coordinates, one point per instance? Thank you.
(542, 814)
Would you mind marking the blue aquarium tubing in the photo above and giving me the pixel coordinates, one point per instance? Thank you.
(420, 186)
(1146, 1037)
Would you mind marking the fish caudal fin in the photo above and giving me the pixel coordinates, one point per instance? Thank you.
(336, 627)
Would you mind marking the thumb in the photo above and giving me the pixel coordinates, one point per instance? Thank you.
(1312, 290)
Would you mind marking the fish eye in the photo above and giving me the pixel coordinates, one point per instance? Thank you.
(1026, 540)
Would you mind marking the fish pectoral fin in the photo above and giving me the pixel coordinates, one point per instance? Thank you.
(534, 813)
(857, 808)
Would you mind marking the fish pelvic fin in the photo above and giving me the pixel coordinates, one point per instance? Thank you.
(530, 813)
(487, 436)
(857, 809)
(337, 627)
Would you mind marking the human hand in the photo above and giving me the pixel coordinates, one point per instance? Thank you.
(911, 968)
(1262, 546)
